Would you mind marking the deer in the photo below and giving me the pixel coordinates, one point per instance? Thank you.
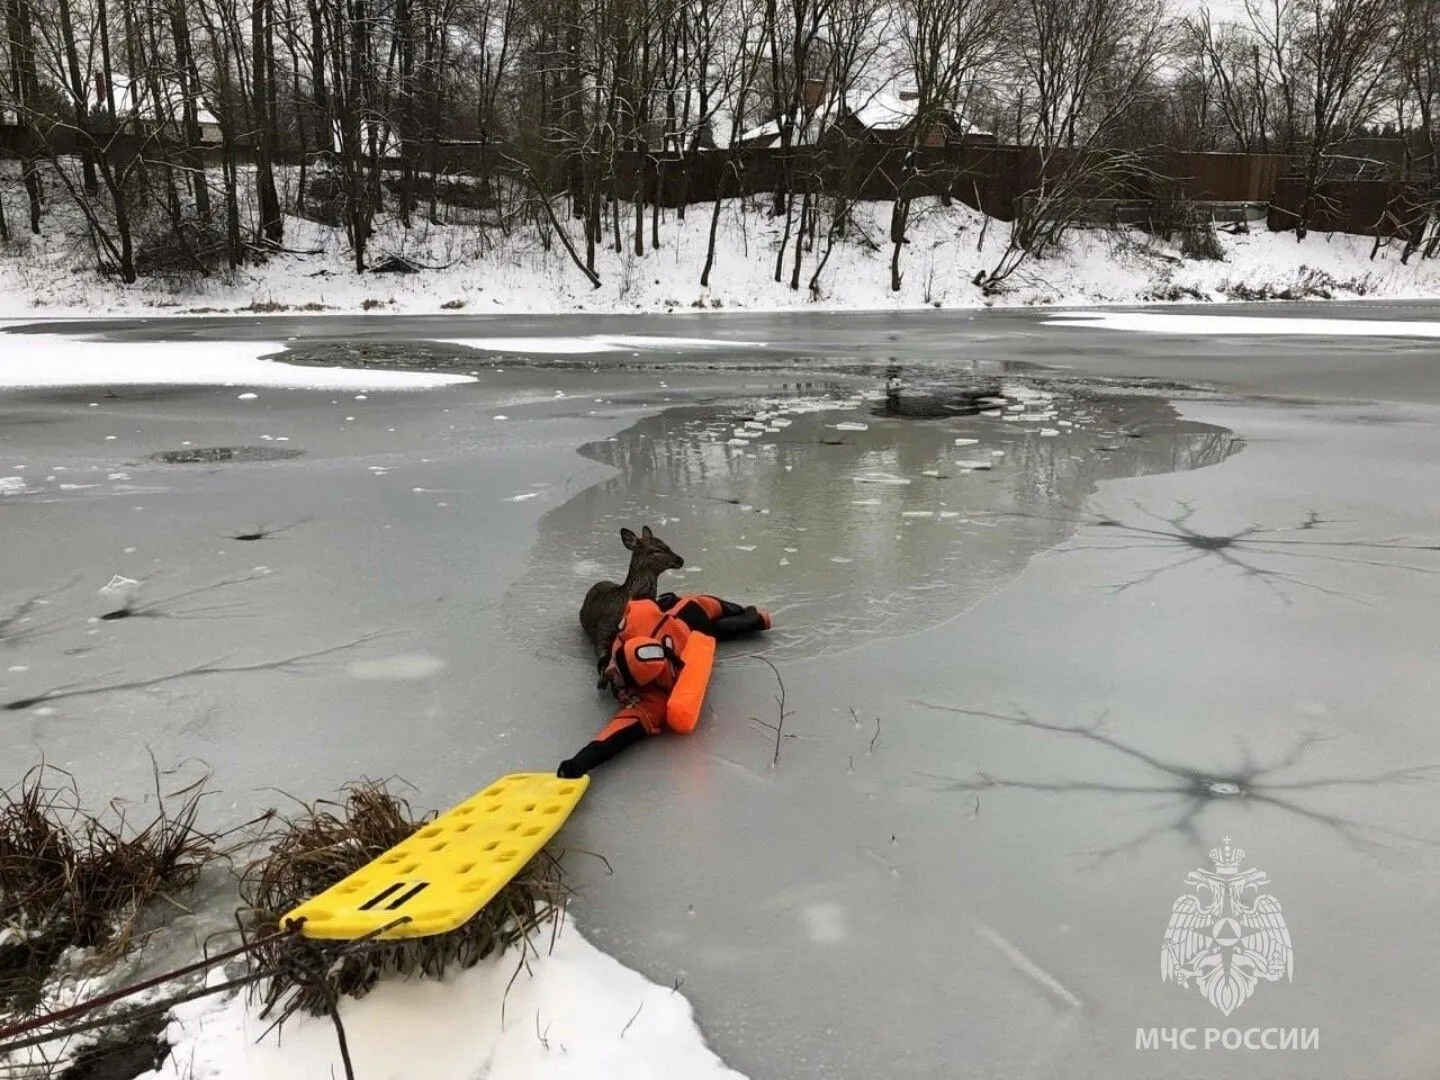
(604, 603)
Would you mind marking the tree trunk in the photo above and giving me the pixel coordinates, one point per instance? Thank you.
(715, 222)
(899, 220)
(272, 222)
(805, 216)
(81, 91)
(190, 89)
(24, 85)
(639, 201)
(234, 244)
(408, 138)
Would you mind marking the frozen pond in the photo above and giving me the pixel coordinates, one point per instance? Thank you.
(1035, 669)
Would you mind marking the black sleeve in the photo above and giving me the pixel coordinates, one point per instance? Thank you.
(739, 623)
(596, 752)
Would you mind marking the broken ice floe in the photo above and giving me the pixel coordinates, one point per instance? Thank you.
(880, 478)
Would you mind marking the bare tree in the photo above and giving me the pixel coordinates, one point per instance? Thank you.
(1241, 80)
(746, 23)
(1330, 60)
(948, 44)
(1085, 65)
(796, 52)
(24, 88)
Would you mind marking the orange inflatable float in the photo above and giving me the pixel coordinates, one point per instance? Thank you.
(659, 668)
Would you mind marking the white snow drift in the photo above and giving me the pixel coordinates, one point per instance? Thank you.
(576, 1013)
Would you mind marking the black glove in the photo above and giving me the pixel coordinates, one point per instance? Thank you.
(597, 752)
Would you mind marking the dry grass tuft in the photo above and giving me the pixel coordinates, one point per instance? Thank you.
(71, 878)
(326, 842)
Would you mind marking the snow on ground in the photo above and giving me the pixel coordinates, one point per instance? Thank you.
(487, 273)
(575, 1013)
(49, 360)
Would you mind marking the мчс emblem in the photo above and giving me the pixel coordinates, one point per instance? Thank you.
(1221, 938)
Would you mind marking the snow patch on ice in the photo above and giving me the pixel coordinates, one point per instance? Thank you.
(50, 360)
(405, 667)
(590, 344)
(881, 478)
(825, 923)
(1215, 325)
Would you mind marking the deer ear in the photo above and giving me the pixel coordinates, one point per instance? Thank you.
(629, 539)
(645, 532)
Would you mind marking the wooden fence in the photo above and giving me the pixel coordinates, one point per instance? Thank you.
(989, 178)
(1402, 209)
(992, 179)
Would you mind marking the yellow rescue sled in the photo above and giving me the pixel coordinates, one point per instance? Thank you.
(450, 868)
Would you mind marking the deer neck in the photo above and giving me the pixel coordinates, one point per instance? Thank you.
(640, 583)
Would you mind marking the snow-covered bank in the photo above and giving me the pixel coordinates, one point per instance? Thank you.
(574, 1013)
(485, 273)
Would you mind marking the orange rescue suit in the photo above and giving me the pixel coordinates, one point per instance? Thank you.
(659, 667)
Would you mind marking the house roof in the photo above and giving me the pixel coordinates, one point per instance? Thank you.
(888, 111)
(883, 110)
(137, 101)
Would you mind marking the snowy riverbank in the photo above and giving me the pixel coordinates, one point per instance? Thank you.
(485, 273)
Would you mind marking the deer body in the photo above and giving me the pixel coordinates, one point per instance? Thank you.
(604, 603)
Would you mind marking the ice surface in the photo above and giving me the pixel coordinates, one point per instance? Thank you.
(907, 891)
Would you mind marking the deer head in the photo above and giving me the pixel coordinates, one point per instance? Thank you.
(649, 555)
